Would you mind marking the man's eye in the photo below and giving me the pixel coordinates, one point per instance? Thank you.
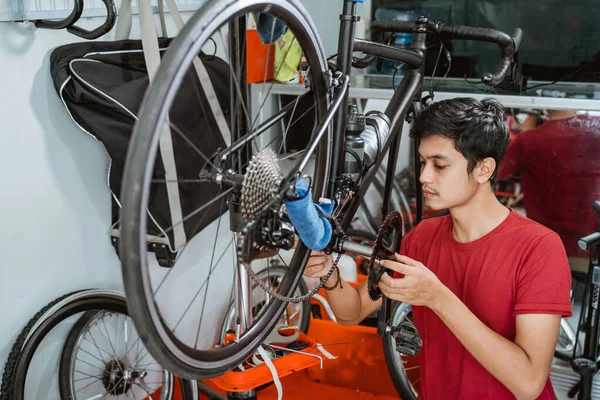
(440, 166)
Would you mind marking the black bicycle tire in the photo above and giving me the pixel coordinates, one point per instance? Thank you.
(98, 302)
(9, 366)
(158, 339)
(398, 374)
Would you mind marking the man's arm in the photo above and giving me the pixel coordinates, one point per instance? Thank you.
(350, 305)
(521, 366)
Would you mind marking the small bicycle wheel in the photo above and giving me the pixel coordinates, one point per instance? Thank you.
(179, 310)
(295, 314)
(79, 302)
(103, 357)
(404, 371)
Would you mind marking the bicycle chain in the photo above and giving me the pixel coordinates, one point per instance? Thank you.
(297, 299)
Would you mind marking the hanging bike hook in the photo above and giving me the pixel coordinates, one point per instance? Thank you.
(69, 22)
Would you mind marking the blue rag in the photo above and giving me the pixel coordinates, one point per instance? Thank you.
(269, 28)
(314, 229)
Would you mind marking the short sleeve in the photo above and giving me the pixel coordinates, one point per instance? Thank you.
(512, 161)
(544, 279)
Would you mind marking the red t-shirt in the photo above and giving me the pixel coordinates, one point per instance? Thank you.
(560, 173)
(520, 267)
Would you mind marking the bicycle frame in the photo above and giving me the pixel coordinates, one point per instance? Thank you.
(407, 95)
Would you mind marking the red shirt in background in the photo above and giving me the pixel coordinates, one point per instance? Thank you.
(559, 164)
(520, 267)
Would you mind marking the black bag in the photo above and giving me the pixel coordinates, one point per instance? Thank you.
(102, 85)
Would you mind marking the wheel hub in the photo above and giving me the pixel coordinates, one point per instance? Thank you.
(118, 378)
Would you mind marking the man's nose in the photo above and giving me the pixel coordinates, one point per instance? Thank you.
(426, 174)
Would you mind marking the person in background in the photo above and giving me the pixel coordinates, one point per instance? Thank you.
(523, 119)
(519, 120)
(559, 166)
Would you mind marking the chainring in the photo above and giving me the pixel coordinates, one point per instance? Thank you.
(386, 245)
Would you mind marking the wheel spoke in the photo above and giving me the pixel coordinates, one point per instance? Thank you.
(212, 259)
(201, 287)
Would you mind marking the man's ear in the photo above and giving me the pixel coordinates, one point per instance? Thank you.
(484, 170)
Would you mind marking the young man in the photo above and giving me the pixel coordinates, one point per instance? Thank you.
(560, 175)
(488, 286)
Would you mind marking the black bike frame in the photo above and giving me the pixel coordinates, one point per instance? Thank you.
(407, 94)
(587, 364)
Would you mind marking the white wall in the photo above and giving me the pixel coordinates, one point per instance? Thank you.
(56, 206)
(325, 15)
(55, 202)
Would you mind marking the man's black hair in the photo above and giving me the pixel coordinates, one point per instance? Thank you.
(478, 128)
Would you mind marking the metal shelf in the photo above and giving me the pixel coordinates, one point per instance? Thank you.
(32, 10)
(573, 99)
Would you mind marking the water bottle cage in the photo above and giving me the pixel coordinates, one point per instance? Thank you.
(408, 340)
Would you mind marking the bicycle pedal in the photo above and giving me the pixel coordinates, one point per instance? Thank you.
(408, 340)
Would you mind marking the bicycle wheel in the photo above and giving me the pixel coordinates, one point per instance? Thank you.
(103, 356)
(566, 342)
(62, 309)
(404, 371)
(295, 314)
(178, 330)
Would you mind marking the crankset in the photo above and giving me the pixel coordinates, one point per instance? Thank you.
(386, 245)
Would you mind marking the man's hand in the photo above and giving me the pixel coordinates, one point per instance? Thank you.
(318, 264)
(418, 286)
